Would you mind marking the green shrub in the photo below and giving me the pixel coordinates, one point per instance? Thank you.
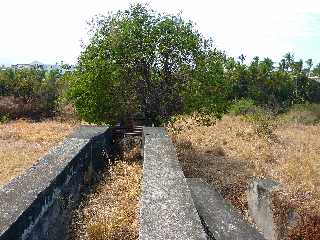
(4, 118)
(243, 107)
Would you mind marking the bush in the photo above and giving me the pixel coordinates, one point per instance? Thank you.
(243, 107)
(4, 118)
(28, 92)
(17, 107)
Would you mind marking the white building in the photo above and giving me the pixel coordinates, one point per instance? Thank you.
(315, 78)
(37, 65)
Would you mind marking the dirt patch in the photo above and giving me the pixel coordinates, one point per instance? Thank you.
(23, 142)
(111, 211)
(233, 150)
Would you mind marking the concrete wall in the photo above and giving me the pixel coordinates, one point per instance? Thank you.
(167, 210)
(37, 204)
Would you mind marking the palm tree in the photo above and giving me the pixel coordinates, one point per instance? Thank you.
(289, 58)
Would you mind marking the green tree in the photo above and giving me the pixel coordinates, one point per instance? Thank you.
(208, 91)
(316, 70)
(140, 62)
(137, 61)
(48, 90)
(288, 61)
(7, 78)
(309, 63)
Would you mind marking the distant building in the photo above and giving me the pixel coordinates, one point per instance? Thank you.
(315, 78)
(37, 65)
(21, 66)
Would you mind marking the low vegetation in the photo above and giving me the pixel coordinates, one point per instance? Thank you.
(29, 92)
(112, 210)
(230, 151)
(23, 142)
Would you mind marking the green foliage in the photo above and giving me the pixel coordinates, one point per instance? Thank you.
(263, 121)
(208, 91)
(275, 86)
(32, 85)
(4, 118)
(137, 61)
(316, 70)
(242, 107)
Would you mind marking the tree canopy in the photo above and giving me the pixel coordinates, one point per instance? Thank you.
(137, 61)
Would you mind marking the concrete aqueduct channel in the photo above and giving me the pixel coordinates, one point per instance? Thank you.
(39, 204)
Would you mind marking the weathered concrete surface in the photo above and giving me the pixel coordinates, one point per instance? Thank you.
(261, 207)
(36, 204)
(167, 210)
(88, 132)
(221, 220)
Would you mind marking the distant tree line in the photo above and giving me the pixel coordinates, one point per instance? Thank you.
(276, 86)
(33, 87)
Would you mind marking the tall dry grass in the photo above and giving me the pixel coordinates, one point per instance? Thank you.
(233, 150)
(111, 211)
(23, 142)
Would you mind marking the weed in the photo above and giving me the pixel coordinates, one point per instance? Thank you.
(4, 118)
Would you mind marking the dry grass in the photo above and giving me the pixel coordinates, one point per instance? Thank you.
(23, 142)
(303, 113)
(233, 150)
(112, 211)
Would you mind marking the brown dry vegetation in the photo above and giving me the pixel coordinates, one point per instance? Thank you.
(23, 142)
(234, 149)
(111, 211)
(17, 107)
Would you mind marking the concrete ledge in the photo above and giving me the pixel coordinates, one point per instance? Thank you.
(221, 220)
(167, 210)
(37, 204)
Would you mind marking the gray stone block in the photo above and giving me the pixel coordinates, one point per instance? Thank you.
(261, 207)
(167, 210)
(221, 220)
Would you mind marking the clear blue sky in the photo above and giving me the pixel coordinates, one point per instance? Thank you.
(50, 31)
